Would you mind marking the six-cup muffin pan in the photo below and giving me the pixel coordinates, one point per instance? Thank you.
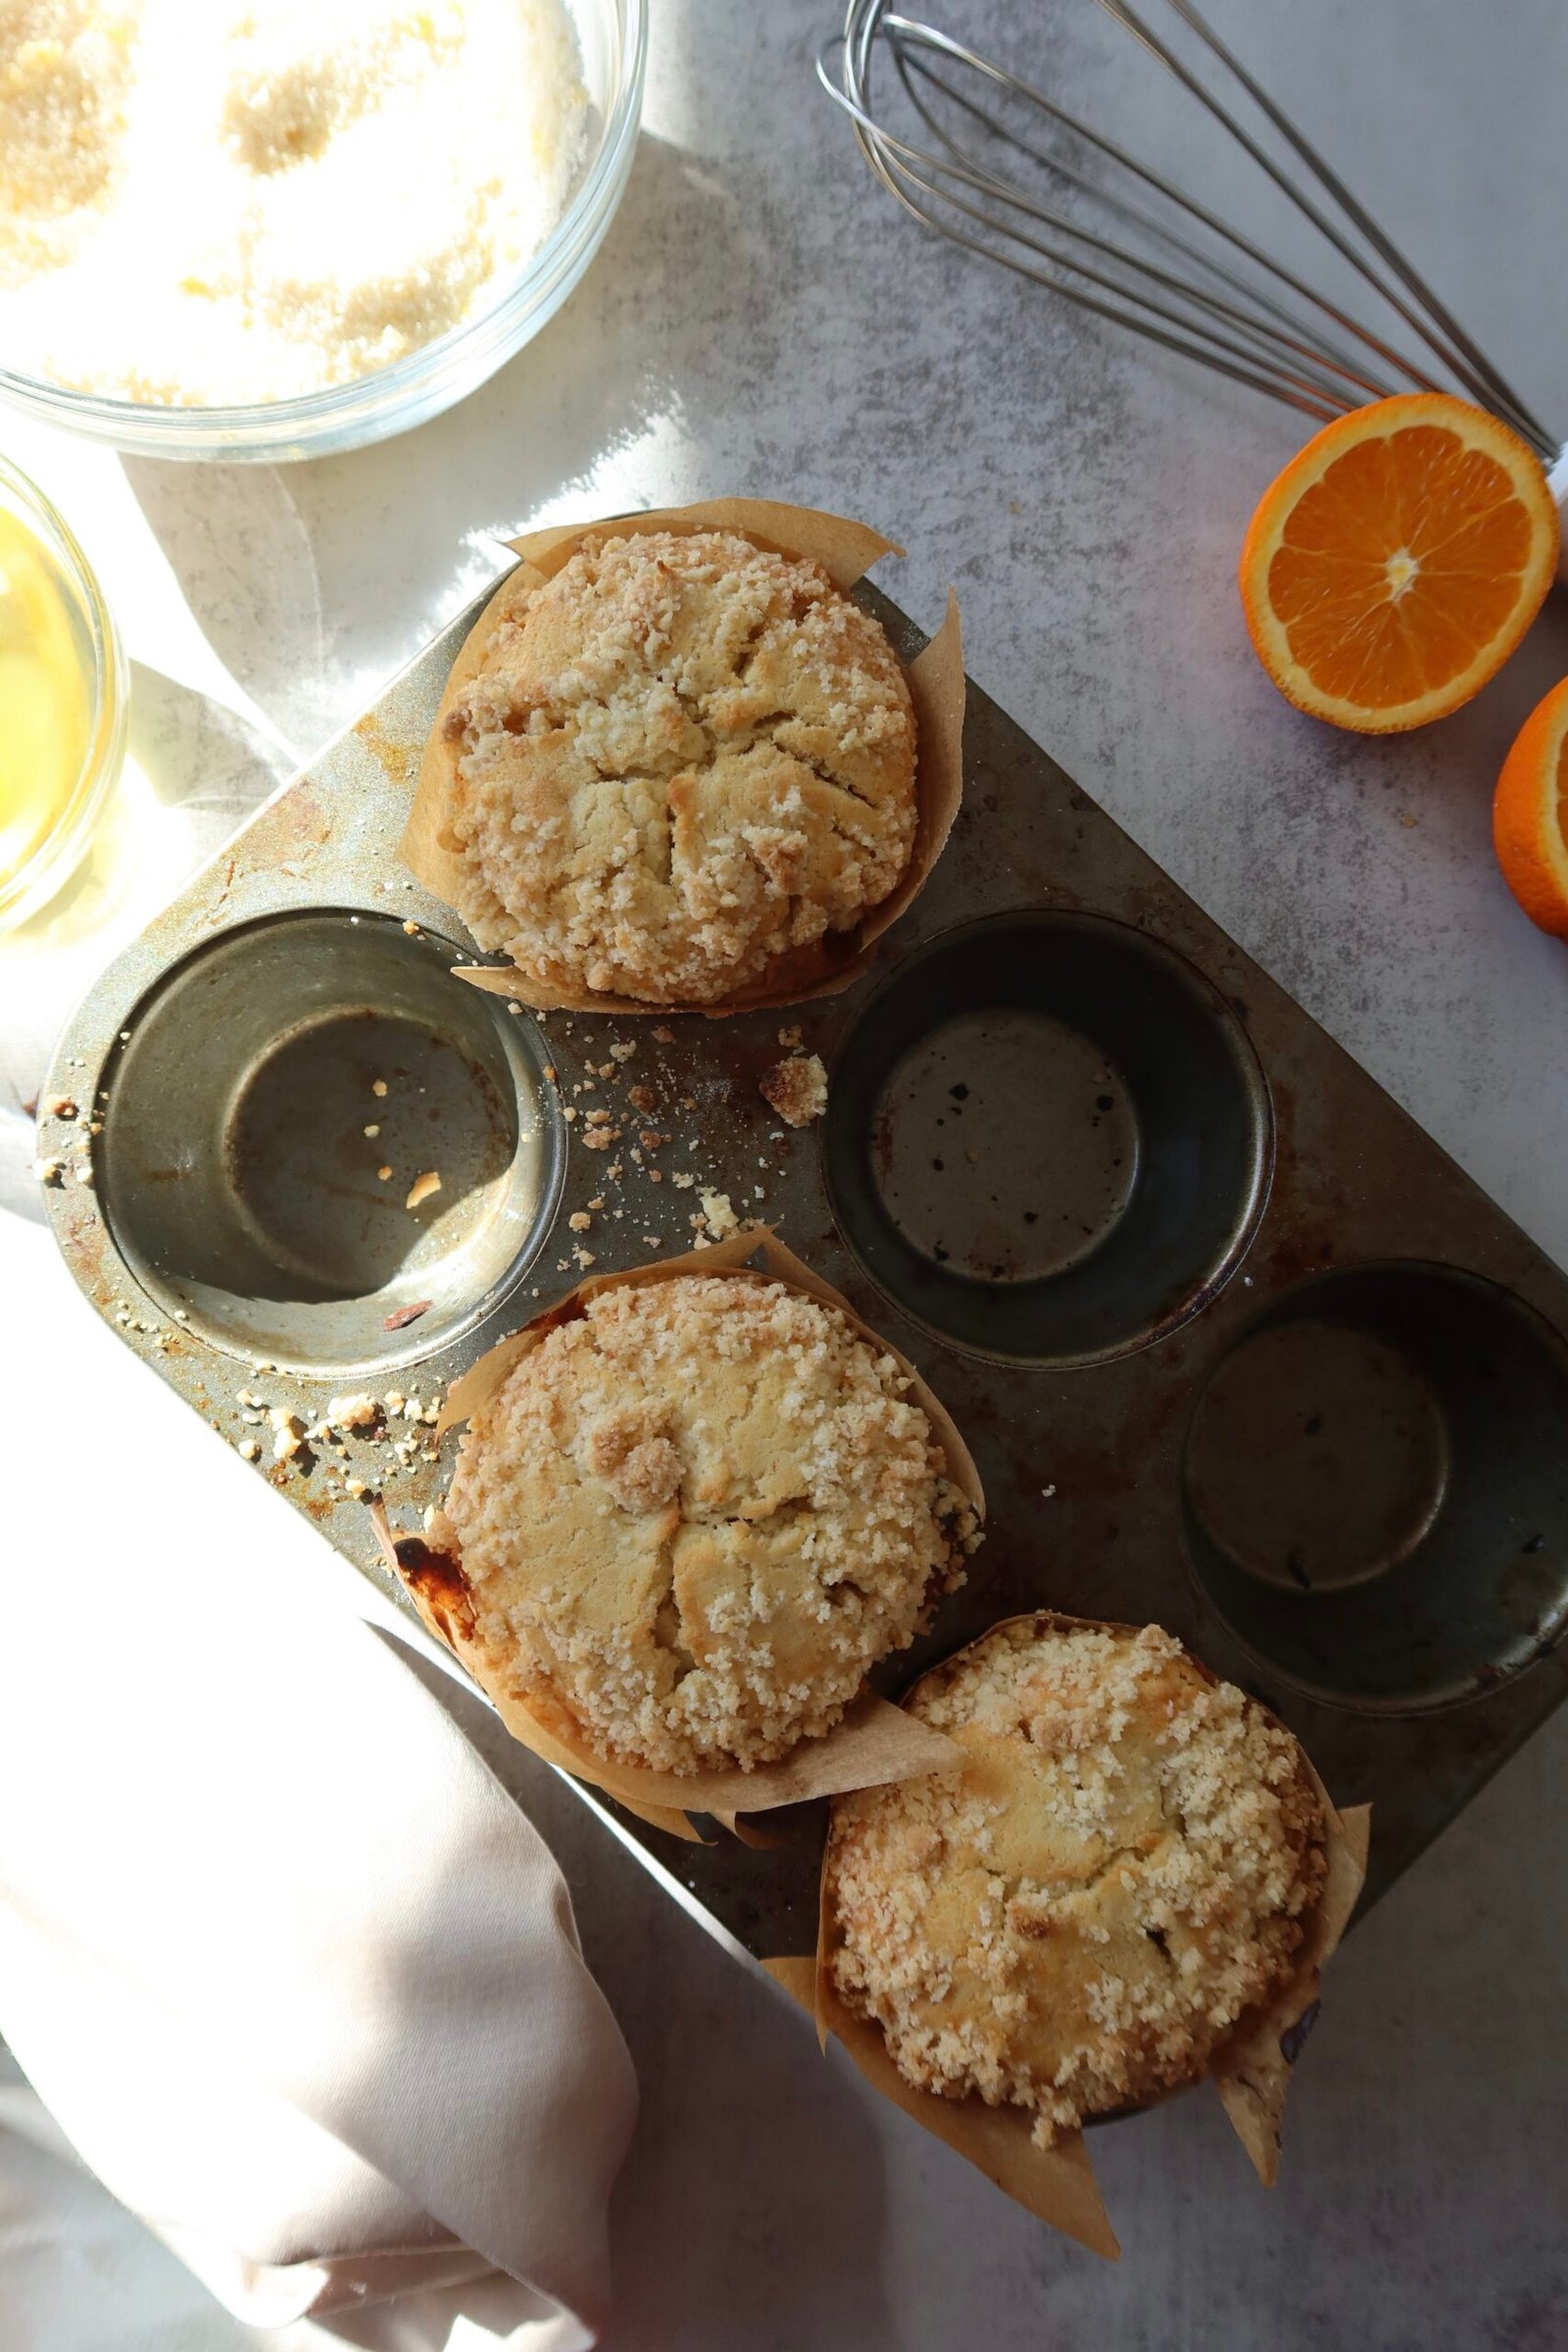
(1236, 1346)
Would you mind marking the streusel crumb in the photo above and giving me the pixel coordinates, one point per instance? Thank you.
(680, 759)
(1073, 1918)
(694, 1516)
(796, 1088)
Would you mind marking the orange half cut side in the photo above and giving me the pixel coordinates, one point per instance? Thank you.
(1394, 565)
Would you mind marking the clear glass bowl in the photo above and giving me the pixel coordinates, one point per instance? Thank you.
(55, 857)
(613, 35)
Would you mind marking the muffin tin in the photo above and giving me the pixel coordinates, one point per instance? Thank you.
(1236, 1346)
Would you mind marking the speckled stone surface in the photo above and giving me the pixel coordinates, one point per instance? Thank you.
(762, 319)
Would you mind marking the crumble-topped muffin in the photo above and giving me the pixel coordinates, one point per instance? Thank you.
(693, 1517)
(1073, 1918)
(680, 759)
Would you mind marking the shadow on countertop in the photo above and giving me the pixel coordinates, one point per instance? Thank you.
(751, 2212)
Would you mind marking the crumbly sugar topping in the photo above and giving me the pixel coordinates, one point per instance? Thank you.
(694, 1515)
(1073, 1918)
(683, 758)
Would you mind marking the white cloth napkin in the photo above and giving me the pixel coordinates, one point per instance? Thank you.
(294, 1976)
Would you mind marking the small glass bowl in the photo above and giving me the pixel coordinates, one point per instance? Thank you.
(612, 36)
(103, 660)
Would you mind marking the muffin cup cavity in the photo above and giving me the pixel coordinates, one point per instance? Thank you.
(316, 1152)
(874, 1741)
(845, 551)
(1049, 1139)
(1374, 1491)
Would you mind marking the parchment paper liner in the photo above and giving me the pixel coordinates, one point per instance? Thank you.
(1251, 2071)
(845, 550)
(873, 1742)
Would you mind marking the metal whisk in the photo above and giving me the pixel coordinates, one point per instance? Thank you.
(982, 151)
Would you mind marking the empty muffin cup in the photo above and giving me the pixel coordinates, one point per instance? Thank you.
(1049, 1139)
(1375, 1486)
(320, 1149)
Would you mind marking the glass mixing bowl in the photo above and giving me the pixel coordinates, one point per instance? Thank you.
(613, 35)
(95, 660)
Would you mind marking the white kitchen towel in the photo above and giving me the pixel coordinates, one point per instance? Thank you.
(292, 1973)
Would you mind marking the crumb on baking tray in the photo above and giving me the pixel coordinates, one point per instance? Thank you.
(402, 1316)
(289, 1432)
(796, 1088)
(422, 1186)
(351, 1413)
(720, 1216)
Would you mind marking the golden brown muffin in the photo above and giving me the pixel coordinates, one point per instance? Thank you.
(680, 759)
(694, 1516)
(1074, 1919)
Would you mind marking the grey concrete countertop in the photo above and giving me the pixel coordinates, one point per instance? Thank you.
(762, 319)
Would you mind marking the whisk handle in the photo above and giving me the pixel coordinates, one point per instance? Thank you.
(1557, 484)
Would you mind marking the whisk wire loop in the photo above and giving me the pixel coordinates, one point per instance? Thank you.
(1263, 325)
(1158, 231)
(1430, 319)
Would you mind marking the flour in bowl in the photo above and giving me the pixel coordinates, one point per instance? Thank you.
(203, 202)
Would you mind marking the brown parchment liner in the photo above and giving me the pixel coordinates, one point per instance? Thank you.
(845, 550)
(873, 1742)
(1251, 2070)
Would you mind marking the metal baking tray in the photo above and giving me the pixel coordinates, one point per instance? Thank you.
(1237, 1346)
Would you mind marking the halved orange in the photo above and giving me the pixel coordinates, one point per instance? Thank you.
(1397, 563)
(1530, 815)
